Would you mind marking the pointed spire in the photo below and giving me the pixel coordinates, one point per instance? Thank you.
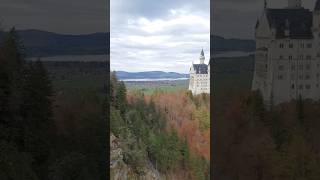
(202, 58)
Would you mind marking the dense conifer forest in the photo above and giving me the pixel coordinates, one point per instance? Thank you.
(169, 130)
(45, 135)
(258, 143)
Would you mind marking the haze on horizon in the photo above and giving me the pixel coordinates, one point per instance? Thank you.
(159, 35)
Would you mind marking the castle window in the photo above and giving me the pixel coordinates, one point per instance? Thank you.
(309, 45)
(281, 45)
(281, 67)
(290, 45)
(308, 57)
(301, 67)
(290, 57)
(308, 86)
(300, 86)
(292, 86)
(280, 77)
(301, 57)
(308, 66)
(307, 76)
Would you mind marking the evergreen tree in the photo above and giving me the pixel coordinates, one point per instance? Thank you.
(300, 110)
(121, 97)
(4, 96)
(185, 152)
(12, 69)
(113, 88)
(36, 112)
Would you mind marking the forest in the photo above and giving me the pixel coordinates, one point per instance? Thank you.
(169, 130)
(45, 134)
(278, 142)
(254, 142)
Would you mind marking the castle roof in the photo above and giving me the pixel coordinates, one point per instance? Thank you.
(200, 68)
(297, 21)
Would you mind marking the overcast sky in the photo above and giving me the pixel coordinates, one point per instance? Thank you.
(162, 35)
(237, 18)
(60, 16)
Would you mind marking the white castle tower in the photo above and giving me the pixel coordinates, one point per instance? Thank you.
(287, 57)
(199, 81)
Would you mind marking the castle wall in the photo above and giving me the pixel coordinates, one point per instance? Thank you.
(286, 68)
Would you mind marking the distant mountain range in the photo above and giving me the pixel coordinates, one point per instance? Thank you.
(149, 75)
(220, 44)
(41, 43)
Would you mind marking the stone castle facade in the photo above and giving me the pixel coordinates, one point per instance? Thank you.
(287, 57)
(199, 81)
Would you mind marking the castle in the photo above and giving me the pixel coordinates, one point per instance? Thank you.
(287, 57)
(199, 81)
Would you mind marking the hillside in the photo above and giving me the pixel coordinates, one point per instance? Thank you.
(165, 132)
(41, 43)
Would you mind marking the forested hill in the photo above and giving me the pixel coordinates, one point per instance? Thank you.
(149, 74)
(220, 44)
(41, 43)
(48, 134)
(164, 134)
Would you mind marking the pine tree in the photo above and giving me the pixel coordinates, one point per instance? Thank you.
(300, 110)
(113, 88)
(12, 75)
(4, 96)
(36, 112)
(185, 152)
(121, 97)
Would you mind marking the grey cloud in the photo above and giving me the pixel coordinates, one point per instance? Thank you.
(155, 8)
(176, 52)
(71, 16)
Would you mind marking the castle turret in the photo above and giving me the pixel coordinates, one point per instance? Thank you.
(202, 58)
(199, 79)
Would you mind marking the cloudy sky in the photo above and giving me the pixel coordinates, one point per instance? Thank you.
(162, 35)
(237, 18)
(60, 16)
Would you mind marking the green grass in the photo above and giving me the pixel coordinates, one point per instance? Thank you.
(150, 87)
(72, 82)
(237, 81)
